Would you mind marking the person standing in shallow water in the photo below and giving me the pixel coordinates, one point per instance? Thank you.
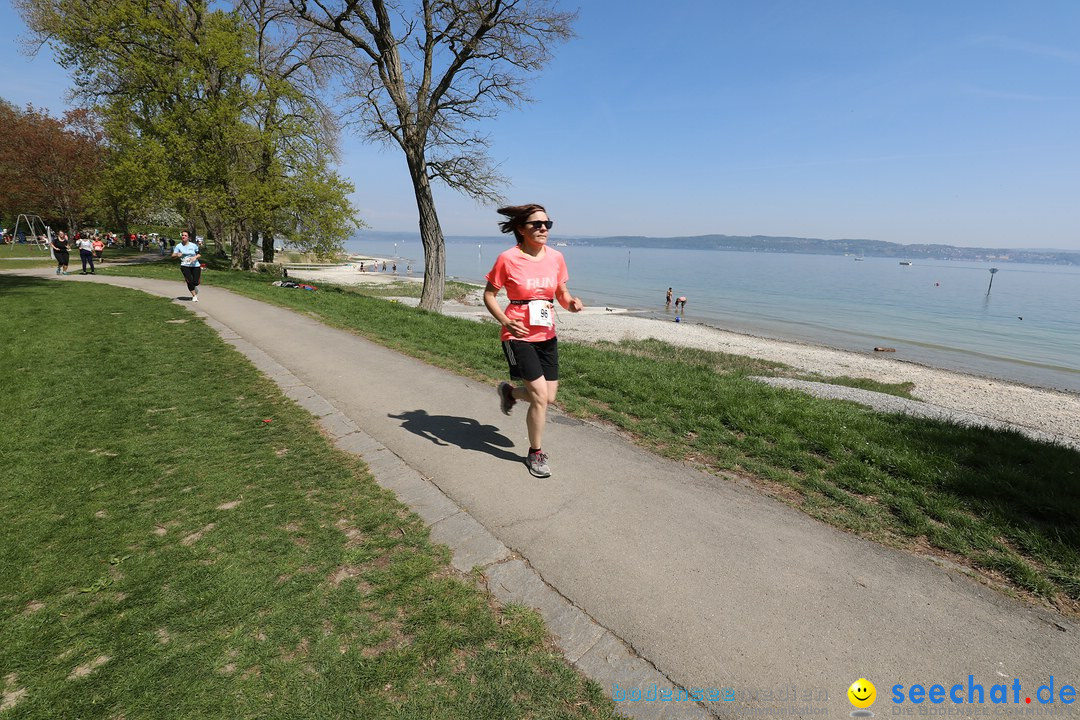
(534, 276)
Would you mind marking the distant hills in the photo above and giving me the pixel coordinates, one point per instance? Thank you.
(816, 246)
(766, 243)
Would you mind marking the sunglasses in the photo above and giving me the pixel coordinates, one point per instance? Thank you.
(537, 224)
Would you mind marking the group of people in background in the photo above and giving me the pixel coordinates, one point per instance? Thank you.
(680, 303)
(91, 248)
(374, 267)
(138, 241)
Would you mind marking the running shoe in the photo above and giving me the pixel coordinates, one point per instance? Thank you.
(506, 397)
(537, 464)
(194, 298)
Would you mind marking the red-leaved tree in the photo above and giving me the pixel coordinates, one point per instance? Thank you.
(48, 165)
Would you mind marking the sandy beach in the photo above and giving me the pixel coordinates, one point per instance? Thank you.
(1056, 414)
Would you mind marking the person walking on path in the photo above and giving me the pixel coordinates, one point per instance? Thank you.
(190, 265)
(61, 252)
(86, 252)
(534, 276)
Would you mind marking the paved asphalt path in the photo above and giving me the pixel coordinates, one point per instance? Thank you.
(712, 583)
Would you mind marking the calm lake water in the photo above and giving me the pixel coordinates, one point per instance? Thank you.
(937, 313)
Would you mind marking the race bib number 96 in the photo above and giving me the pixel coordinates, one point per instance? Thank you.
(540, 313)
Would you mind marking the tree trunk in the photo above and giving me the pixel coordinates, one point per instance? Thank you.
(215, 234)
(241, 248)
(431, 237)
(268, 247)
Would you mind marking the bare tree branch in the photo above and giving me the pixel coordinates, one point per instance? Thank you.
(426, 71)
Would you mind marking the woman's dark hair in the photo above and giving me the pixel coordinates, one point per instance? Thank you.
(516, 216)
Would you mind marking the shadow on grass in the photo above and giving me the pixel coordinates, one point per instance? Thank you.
(15, 283)
(466, 433)
(1029, 490)
(1006, 502)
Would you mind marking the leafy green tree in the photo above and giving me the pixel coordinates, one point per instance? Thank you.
(134, 183)
(303, 200)
(424, 73)
(188, 98)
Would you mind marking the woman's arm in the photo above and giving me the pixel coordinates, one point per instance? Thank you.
(568, 301)
(515, 327)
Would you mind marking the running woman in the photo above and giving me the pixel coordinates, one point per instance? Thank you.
(60, 252)
(190, 265)
(86, 252)
(534, 276)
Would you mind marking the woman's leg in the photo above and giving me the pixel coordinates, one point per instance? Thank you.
(189, 279)
(538, 393)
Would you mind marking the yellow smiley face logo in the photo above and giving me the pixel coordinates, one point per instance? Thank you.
(862, 693)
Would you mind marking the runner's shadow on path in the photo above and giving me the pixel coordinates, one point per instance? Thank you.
(464, 432)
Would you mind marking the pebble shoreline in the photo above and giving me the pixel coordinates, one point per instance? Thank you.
(1048, 414)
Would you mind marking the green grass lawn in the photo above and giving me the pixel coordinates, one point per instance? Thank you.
(1004, 505)
(26, 250)
(178, 540)
(13, 257)
(28, 262)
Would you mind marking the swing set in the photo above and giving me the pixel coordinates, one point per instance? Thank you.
(34, 229)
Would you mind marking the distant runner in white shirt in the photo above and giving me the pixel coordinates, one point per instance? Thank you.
(190, 264)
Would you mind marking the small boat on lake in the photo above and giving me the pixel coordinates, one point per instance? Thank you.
(905, 262)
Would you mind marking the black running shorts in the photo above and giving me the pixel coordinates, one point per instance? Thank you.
(530, 360)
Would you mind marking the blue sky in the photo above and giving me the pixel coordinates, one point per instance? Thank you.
(909, 122)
